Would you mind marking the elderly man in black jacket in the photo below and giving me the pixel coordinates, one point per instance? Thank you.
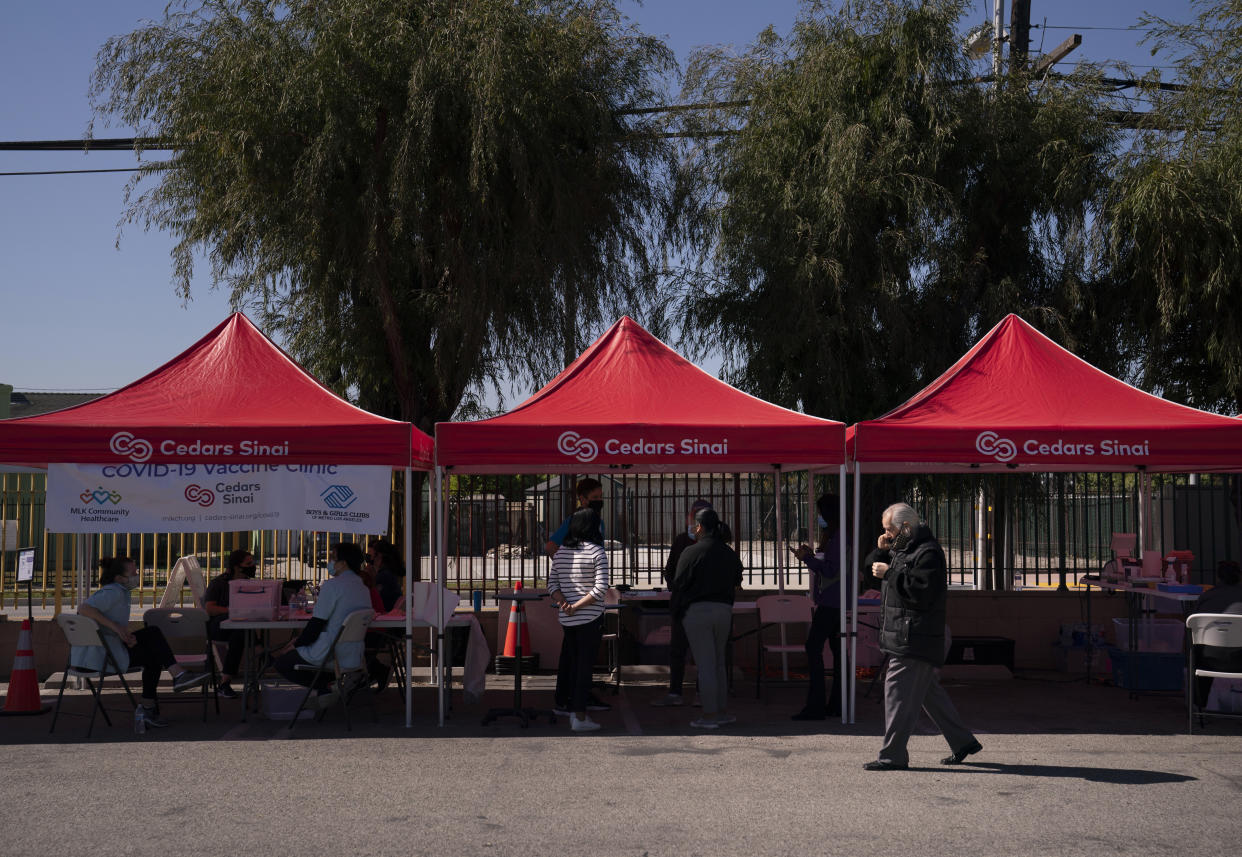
(912, 566)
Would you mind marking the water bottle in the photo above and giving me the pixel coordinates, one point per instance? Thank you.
(140, 721)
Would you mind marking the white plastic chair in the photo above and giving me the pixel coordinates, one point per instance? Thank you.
(1218, 630)
(780, 610)
(348, 682)
(179, 624)
(84, 631)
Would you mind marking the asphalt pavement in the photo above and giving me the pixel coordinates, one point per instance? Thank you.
(1066, 769)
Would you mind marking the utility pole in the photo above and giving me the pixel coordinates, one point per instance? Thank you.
(1019, 33)
(998, 38)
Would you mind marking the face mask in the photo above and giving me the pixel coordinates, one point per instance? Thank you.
(128, 582)
(819, 519)
(690, 533)
(333, 571)
(597, 505)
(247, 571)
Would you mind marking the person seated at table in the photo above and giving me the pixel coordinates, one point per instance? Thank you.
(388, 571)
(339, 596)
(1225, 597)
(216, 603)
(385, 593)
(577, 584)
(678, 645)
(146, 647)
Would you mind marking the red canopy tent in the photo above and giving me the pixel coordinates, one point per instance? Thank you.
(232, 397)
(1017, 400)
(629, 401)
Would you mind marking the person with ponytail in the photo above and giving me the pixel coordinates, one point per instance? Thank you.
(707, 574)
(147, 647)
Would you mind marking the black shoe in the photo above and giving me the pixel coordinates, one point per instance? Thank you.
(806, 714)
(881, 765)
(380, 677)
(594, 703)
(226, 691)
(960, 755)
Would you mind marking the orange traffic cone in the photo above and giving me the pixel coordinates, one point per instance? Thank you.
(23, 695)
(517, 625)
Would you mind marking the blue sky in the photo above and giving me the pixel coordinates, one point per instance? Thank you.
(80, 312)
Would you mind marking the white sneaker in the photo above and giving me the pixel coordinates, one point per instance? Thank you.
(704, 723)
(586, 724)
(724, 719)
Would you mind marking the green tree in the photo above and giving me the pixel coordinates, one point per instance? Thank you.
(417, 195)
(872, 210)
(1175, 215)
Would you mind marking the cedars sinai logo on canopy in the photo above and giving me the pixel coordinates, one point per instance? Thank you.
(576, 446)
(1001, 448)
(135, 449)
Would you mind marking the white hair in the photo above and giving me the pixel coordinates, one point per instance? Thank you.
(901, 514)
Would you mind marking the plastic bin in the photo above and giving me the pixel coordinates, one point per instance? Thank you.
(281, 698)
(1147, 670)
(1154, 635)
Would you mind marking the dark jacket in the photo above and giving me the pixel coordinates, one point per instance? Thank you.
(707, 570)
(913, 598)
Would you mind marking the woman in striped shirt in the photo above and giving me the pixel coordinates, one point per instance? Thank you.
(577, 584)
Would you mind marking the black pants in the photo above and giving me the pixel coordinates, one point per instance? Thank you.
(151, 652)
(236, 641)
(285, 666)
(579, 647)
(678, 648)
(825, 628)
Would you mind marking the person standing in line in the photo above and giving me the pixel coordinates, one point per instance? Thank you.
(590, 493)
(577, 585)
(678, 645)
(109, 606)
(914, 576)
(216, 603)
(825, 566)
(708, 573)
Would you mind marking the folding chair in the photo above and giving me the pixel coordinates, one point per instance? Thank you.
(779, 610)
(348, 682)
(179, 624)
(1218, 630)
(83, 631)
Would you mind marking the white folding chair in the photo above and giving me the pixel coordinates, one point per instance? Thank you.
(348, 682)
(83, 631)
(779, 610)
(186, 628)
(1217, 630)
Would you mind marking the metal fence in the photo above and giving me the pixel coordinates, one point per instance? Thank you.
(997, 530)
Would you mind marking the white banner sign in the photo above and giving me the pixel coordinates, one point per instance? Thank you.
(196, 498)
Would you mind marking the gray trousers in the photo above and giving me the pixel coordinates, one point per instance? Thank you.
(707, 625)
(911, 686)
